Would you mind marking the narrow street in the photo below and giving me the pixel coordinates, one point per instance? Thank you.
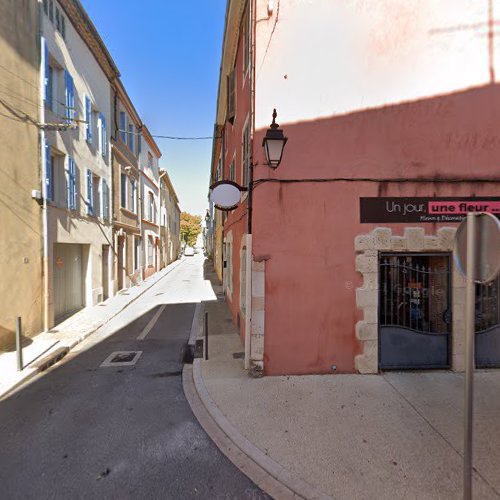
(82, 430)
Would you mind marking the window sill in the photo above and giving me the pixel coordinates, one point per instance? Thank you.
(128, 212)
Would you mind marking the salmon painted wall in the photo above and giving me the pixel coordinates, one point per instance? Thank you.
(236, 222)
(369, 90)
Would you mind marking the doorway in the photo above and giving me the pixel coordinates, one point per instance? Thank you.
(414, 311)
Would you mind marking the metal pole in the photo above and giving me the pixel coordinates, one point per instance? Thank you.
(206, 334)
(470, 303)
(19, 347)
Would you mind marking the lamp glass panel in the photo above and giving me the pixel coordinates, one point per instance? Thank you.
(274, 150)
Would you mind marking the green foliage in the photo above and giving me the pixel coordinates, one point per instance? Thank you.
(190, 228)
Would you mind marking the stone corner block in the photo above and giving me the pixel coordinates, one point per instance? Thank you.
(382, 237)
(366, 264)
(414, 238)
(367, 362)
(366, 331)
(398, 243)
(364, 242)
(366, 297)
(446, 237)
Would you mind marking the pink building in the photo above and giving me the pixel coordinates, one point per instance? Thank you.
(341, 259)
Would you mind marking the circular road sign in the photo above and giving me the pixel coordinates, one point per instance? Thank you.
(487, 247)
(225, 195)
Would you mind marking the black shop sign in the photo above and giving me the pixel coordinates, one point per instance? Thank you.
(452, 209)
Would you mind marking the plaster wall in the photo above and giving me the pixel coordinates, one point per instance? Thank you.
(76, 226)
(407, 91)
(21, 288)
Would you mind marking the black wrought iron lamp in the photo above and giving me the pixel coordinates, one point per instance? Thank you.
(274, 143)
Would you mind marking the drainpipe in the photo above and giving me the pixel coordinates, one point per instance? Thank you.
(249, 260)
(43, 169)
(139, 210)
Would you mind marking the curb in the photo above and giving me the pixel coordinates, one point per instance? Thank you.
(266, 473)
(59, 350)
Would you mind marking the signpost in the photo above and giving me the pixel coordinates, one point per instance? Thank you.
(477, 254)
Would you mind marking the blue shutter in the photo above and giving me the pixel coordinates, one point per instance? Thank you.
(69, 186)
(48, 173)
(90, 194)
(139, 142)
(104, 145)
(45, 63)
(88, 119)
(70, 96)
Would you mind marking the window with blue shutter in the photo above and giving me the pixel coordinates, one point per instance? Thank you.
(123, 126)
(104, 144)
(71, 192)
(88, 119)
(139, 142)
(90, 194)
(70, 96)
(49, 173)
(45, 63)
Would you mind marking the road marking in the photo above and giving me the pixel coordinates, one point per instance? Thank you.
(151, 323)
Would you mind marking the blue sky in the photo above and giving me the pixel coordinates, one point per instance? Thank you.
(168, 53)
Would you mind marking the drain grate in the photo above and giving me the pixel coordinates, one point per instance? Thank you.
(238, 355)
(122, 358)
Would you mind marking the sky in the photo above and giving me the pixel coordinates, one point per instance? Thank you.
(168, 53)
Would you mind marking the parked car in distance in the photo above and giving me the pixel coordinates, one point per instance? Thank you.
(189, 251)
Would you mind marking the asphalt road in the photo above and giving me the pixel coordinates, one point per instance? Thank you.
(83, 431)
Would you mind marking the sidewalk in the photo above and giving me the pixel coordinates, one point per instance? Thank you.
(351, 436)
(47, 347)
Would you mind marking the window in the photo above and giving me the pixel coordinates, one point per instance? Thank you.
(232, 169)
(137, 253)
(50, 88)
(123, 127)
(245, 156)
(96, 196)
(72, 193)
(123, 191)
(103, 143)
(131, 137)
(231, 96)
(70, 97)
(49, 172)
(91, 209)
(246, 45)
(88, 119)
(150, 251)
(58, 19)
(104, 200)
(152, 208)
(150, 160)
(133, 195)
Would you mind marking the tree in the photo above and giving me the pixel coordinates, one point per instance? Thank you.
(190, 228)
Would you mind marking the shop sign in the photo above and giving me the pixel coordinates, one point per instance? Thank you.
(452, 209)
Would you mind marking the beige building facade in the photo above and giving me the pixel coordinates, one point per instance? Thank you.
(20, 215)
(170, 215)
(126, 182)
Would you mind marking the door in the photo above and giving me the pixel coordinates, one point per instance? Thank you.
(68, 280)
(105, 272)
(487, 339)
(120, 261)
(414, 311)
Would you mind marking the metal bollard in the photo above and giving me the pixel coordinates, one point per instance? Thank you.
(206, 335)
(19, 347)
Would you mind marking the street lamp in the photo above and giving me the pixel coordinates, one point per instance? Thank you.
(274, 143)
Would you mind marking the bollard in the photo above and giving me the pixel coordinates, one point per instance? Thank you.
(19, 347)
(206, 335)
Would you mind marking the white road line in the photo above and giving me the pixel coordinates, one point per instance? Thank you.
(151, 323)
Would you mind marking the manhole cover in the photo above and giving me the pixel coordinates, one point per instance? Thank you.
(122, 358)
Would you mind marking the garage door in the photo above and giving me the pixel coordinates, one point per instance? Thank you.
(68, 280)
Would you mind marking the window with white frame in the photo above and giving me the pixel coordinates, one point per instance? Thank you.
(133, 195)
(123, 190)
(131, 137)
(123, 127)
(150, 251)
(232, 169)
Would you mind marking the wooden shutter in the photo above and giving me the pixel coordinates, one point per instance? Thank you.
(70, 96)
(231, 96)
(103, 136)
(45, 64)
(90, 194)
(88, 119)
